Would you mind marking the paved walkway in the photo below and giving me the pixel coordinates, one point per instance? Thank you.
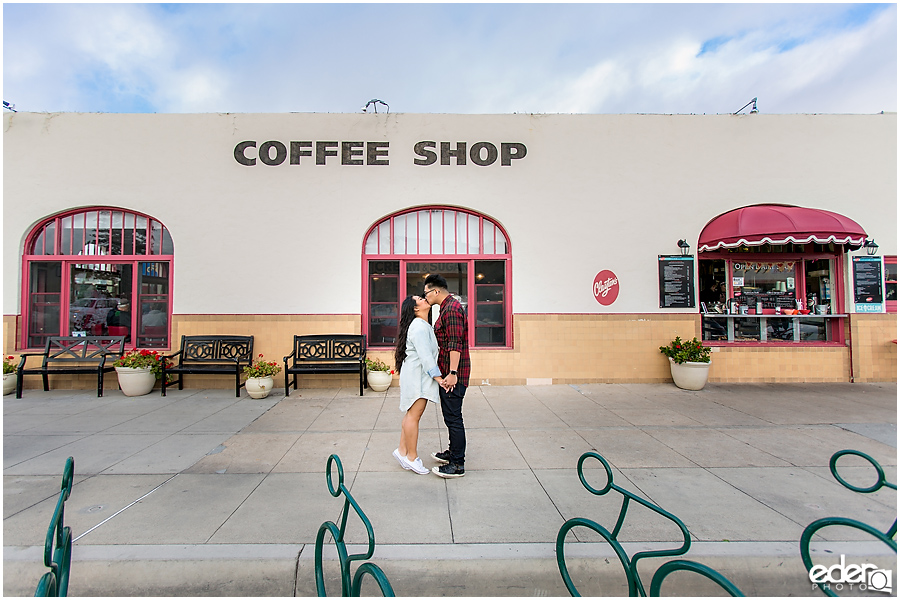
(200, 493)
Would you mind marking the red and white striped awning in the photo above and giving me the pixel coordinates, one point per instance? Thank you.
(762, 224)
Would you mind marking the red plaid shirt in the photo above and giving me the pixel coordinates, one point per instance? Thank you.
(452, 334)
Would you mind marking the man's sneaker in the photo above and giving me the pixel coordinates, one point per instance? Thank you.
(399, 458)
(441, 457)
(415, 465)
(449, 470)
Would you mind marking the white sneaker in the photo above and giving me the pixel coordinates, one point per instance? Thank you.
(401, 459)
(415, 465)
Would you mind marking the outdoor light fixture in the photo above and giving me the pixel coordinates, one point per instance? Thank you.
(871, 247)
(685, 247)
(374, 102)
(753, 110)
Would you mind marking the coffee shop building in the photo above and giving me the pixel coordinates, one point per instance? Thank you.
(578, 243)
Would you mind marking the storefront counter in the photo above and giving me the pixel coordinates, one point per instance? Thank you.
(770, 328)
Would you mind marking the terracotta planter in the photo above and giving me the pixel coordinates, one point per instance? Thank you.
(9, 383)
(379, 381)
(689, 375)
(135, 382)
(259, 387)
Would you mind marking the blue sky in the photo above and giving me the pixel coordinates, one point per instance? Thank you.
(451, 58)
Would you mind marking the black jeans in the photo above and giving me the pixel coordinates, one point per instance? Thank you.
(451, 406)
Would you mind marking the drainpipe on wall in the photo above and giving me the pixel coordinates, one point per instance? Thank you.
(850, 341)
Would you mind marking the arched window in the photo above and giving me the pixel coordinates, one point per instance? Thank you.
(127, 292)
(470, 250)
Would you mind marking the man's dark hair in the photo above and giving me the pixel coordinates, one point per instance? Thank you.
(436, 280)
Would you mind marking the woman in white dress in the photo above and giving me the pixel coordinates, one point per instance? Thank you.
(415, 358)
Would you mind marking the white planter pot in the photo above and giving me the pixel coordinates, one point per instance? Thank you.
(135, 382)
(379, 381)
(259, 387)
(9, 383)
(690, 375)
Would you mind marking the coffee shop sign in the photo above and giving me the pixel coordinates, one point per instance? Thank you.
(274, 153)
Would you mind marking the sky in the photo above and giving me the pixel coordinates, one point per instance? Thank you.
(451, 58)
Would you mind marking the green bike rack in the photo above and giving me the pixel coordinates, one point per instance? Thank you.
(348, 588)
(635, 586)
(888, 537)
(58, 560)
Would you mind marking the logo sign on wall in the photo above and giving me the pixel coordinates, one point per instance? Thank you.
(606, 287)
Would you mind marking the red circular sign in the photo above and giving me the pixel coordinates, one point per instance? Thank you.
(606, 287)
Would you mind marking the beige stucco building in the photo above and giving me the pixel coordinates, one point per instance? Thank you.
(557, 231)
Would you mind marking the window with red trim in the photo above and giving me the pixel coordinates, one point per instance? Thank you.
(890, 283)
(470, 250)
(776, 279)
(98, 271)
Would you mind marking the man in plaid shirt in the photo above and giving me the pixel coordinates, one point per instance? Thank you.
(453, 360)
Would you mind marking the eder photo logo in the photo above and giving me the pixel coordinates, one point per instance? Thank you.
(859, 577)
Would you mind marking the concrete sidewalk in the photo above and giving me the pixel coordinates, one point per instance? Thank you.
(201, 493)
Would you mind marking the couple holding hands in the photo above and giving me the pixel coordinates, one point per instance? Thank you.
(434, 367)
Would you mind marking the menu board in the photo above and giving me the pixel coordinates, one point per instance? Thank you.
(868, 284)
(676, 282)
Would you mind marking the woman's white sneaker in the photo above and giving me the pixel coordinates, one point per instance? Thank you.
(401, 459)
(415, 466)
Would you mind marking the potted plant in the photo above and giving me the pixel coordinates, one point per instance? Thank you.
(138, 371)
(689, 362)
(260, 380)
(9, 375)
(379, 375)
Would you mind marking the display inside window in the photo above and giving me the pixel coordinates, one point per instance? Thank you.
(769, 300)
(765, 285)
(818, 282)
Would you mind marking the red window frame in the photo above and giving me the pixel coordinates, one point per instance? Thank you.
(47, 238)
(889, 305)
(483, 254)
(837, 325)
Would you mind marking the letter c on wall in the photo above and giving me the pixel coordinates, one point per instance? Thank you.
(241, 157)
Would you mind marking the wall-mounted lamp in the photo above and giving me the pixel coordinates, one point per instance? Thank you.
(871, 247)
(753, 109)
(684, 247)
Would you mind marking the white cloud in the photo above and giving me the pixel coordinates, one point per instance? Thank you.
(450, 58)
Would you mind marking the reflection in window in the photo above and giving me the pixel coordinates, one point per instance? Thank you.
(490, 317)
(110, 292)
(384, 301)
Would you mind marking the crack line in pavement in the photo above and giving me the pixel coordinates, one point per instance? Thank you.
(124, 509)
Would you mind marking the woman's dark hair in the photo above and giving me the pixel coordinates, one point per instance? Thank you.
(407, 314)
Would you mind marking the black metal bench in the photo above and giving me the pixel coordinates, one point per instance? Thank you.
(209, 355)
(326, 354)
(72, 355)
